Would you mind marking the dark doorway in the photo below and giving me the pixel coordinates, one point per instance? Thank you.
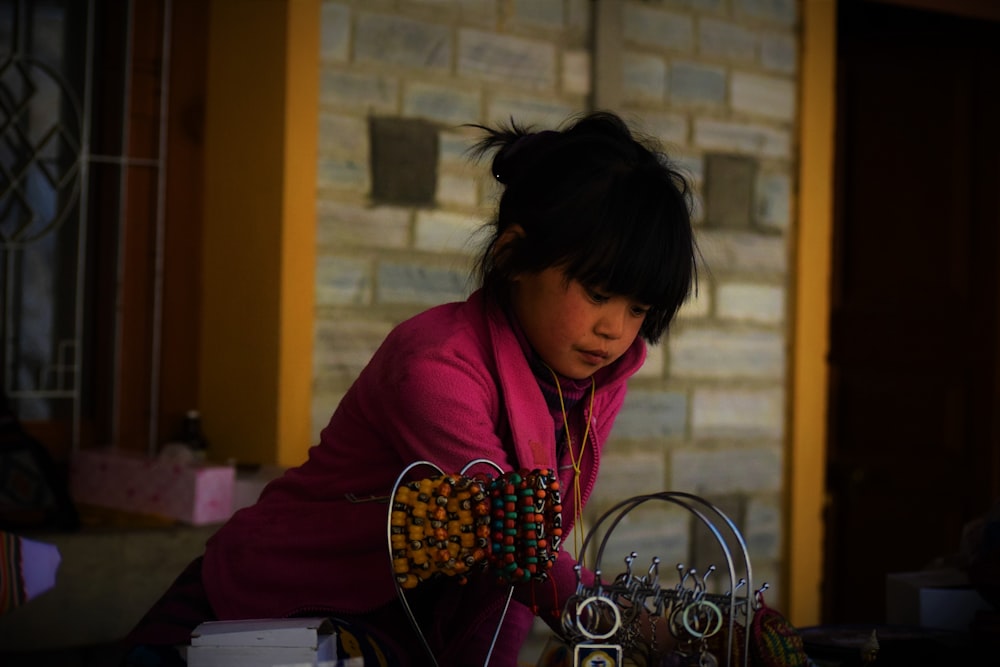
(914, 336)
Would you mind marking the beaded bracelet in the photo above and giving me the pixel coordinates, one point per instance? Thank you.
(526, 525)
(449, 525)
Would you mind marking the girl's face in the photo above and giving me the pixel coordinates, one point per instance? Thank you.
(576, 330)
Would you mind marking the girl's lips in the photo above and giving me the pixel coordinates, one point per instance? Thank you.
(594, 357)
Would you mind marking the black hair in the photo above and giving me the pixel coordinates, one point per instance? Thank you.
(598, 201)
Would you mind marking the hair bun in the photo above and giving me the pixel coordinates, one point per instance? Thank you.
(510, 160)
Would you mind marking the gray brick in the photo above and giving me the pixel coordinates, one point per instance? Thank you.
(697, 305)
(738, 413)
(763, 304)
(447, 104)
(419, 284)
(344, 225)
(763, 529)
(717, 354)
(342, 174)
(710, 472)
(650, 414)
(706, 549)
(453, 147)
(693, 167)
(342, 281)
(726, 40)
(644, 77)
(323, 405)
(655, 27)
(335, 32)
(742, 138)
(576, 72)
(766, 96)
(698, 207)
(345, 346)
(703, 5)
(624, 475)
(457, 189)
(746, 252)
(778, 11)
(401, 41)
(547, 14)
(578, 14)
(654, 529)
(479, 11)
(779, 52)
(669, 128)
(544, 113)
(774, 201)
(698, 83)
(342, 135)
(359, 91)
(653, 367)
(444, 232)
(506, 58)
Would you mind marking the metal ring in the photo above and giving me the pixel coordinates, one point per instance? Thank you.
(603, 600)
(713, 609)
(673, 624)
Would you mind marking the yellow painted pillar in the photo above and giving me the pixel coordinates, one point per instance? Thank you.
(813, 248)
(259, 229)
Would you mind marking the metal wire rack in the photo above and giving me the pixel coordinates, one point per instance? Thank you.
(701, 623)
(705, 628)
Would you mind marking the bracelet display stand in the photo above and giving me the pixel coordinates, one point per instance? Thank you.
(706, 629)
(698, 618)
(400, 480)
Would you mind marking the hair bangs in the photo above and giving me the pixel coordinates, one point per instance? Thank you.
(631, 245)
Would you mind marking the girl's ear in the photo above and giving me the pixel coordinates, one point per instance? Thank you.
(502, 248)
(512, 233)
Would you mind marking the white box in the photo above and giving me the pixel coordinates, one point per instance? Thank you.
(941, 599)
(283, 642)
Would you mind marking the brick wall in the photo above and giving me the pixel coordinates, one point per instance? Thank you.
(715, 80)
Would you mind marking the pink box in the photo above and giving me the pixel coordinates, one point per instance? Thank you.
(197, 494)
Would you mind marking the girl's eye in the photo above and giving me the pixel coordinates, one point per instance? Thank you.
(640, 311)
(597, 297)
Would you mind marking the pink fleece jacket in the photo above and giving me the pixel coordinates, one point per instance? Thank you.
(447, 386)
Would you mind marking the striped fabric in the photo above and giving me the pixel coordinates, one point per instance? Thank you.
(774, 642)
(12, 590)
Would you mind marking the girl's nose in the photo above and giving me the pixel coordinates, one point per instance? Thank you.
(611, 323)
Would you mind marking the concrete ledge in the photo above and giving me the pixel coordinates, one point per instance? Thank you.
(109, 578)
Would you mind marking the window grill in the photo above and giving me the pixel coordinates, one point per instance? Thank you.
(67, 156)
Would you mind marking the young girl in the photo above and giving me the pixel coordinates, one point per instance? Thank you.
(590, 256)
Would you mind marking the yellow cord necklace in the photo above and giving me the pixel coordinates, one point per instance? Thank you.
(577, 460)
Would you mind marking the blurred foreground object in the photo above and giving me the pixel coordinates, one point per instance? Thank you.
(27, 569)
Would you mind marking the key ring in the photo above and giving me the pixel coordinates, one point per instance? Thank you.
(582, 606)
(713, 620)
